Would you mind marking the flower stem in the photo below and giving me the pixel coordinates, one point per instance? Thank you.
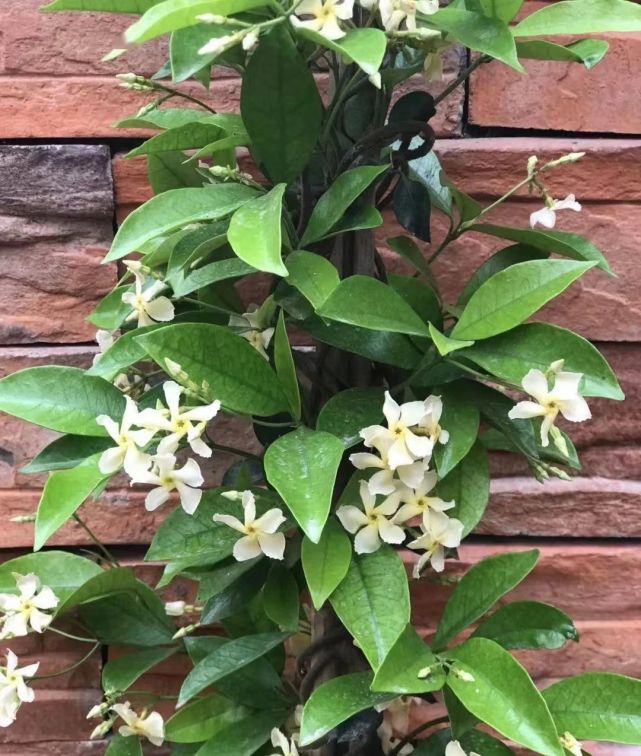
(68, 669)
(461, 78)
(58, 631)
(108, 555)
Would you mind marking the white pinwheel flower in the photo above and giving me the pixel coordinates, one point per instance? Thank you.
(167, 478)
(146, 305)
(417, 502)
(14, 691)
(287, 747)
(28, 608)
(260, 534)
(127, 453)
(430, 424)
(249, 325)
(384, 481)
(396, 12)
(441, 532)
(454, 748)
(373, 524)
(150, 726)
(546, 216)
(402, 446)
(564, 397)
(322, 16)
(179, 422)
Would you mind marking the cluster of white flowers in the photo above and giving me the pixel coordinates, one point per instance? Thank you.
(14, 691)
(135, 433)
(147, 306)
(28, 609)
(405, 480)
(259, 534)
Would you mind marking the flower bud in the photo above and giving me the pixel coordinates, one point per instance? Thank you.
(232, 495)
(175, 608)
(99, 710)
(21, 519)
(462, 674)
(102, 729)
(187, 630)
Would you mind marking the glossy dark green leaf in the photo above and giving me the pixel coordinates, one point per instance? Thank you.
(325, 563)
(280, 597)
(528, 624)
(120, 745)
(581, 17)
(284, 126)
(461, 419)
(468, 486)
(347, 412)
(203, 718)
(480, 588)
(285, 367)
(188, 136)
(302, 467)
(408, 249)
(220, 270)
(111, 311)
(216, 579)
(428, 171)
(121, 673)
(244, 735)
(419, 296)
(373, 602)
(108, 6)
(505, 10)
(123, 353)
(412, 207)
(405, 668)
(236, 596)
(65, 452)
(586, 51)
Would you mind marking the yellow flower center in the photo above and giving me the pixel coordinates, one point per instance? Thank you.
(139, 304)
(167, 481)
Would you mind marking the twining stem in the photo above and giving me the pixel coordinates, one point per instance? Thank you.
(461, 78)
(232, 450)
(416, 731)
(73, 637)
(185, 96)
(71, 668)
(105, 551)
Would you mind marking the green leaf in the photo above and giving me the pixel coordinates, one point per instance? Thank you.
(63, 572)
(227, 363)
(335, 701)
(171, 15)
(412, 208)
(262, 250)
(427, 170)
(419, 296)
(111, 311)
(184, 45)
(528, 624)
(358, 217)
(586, 51)
(560, 242)
(511, 296)
(120, 674)
(461, 419)
(123, 353)
(537, 345)
(444, 344)
(494, 407)
(480, 588)
(302, 467)
(373, 602)
(500, 260)
(215, 580)
(314, 276)
(478, 32)
(64, 399)
(346, 413)
(108, 6)
(174, 209)
(581, 17)
(65, 452)
(203, 719)
(503, 695)
(325, 563)
(404, 669)
(597, 706)
(332, 205)
(285, 367)
(107, 582)
(226, 659)
(409, 250)
(220, 270)
(158, 118)
(244, 735)
(236, 596)
(505, 10)
(285, 125)
(188, 136)
(124, 746)
(468, 485)
(280, 597)
(365, 47)
(64, 492)
(368, 303)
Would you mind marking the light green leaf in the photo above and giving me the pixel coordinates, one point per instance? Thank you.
(368, 303)
(468, 486)
(325, 563)
(280, 597)
(171, 15)
(232, 369)
(302, 467)
(419, 296)
(478, 32)
(511, 296)
(220, 270)
(283, 126)
(528, 624)
(225, 660)
(158, 118)
(188, 136)
(63, 572)
(172, 210)
(108, 6)
(373, 602)
(111, 311)
(480, 588)
(461, 419)
(581, 17)
(537, 345)
(335, 701)
(244, 735)
(365, 47)
(562, 243)
(202, 719)
(64, 399)
(263, 249)
(285, 367)
(121, 673)
(503, 695)
(184, 45)
(597, 706)
(586, 51)
(314, 276)
(444, 344)
(123, 353)
(332, 205)
(404, 669)
(505, 10)
(346, 413)
(65, 452)
(64, 492)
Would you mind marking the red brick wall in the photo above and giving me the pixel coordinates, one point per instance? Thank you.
(58, 205)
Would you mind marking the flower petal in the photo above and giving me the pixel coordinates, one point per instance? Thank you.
(365, 460)
(272, 544)
(526, 410)
(367, 540)
(160, 309)
(575, 410)
(566, 385)
(203, 414)
(110, 425)
(189, 497)
(39, 620)
(246, 548)
(391, 409)
(412, 413)
(172, 392)
(230, 521)
(190, 474)
(390, 532)
(156, 498)
(351, 518)
(270, 521)
(545, 217)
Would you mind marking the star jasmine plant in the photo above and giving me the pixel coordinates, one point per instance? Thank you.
(308, 408)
